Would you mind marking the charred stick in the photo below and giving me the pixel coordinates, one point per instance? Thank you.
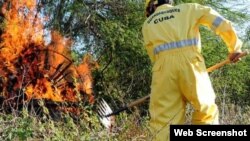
(61, 72)
(46, 60)
(60, 54)
(57, 71)
(59, 79)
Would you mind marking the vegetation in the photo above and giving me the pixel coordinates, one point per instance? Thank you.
(110, 30)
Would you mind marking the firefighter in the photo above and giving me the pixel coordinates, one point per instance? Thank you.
(172, 40)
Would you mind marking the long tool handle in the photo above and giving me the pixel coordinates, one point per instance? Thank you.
(227, 61)
(134, 103)
(138, 101)
(141, 100)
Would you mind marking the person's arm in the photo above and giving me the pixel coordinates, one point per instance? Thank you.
(221, 26)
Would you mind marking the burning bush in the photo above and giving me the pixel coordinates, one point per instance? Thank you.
(32, 69)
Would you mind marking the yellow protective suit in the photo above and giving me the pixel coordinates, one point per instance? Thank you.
(172, 40)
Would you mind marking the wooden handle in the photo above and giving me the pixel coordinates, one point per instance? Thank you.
(227, 61)
(138, 101)
(216, 66)
(134, 103)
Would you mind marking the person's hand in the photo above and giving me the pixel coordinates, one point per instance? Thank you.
(234, 57)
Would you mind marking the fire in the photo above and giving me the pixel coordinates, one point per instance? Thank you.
(32, 69)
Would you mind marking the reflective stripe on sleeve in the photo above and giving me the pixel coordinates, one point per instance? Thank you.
(217, 22)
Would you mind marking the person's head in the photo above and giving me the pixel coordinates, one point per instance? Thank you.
(151, 5)
(160, 2)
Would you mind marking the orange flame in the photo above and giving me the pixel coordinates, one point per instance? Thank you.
(39, 71)
(22, 26)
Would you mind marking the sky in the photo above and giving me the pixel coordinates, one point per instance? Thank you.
(240, 5)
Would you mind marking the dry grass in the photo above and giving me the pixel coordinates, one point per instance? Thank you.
(129, 127)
